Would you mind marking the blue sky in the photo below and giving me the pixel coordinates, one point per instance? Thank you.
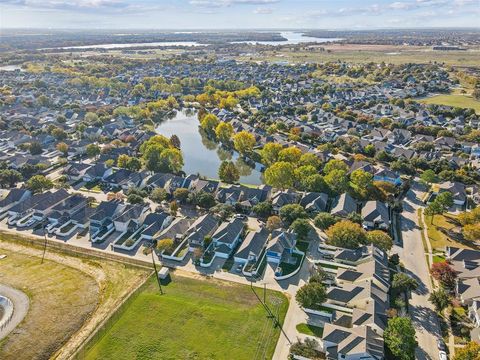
(245, 14)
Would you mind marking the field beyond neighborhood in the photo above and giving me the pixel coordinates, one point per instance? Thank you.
(456, 100)
(194, 319)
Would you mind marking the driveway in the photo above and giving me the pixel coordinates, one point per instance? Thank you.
(412, 255)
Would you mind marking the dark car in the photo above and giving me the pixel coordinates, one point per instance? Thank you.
(440, 345)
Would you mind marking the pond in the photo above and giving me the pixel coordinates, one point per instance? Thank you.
(202, 155)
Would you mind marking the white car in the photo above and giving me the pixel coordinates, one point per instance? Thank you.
(442, 355)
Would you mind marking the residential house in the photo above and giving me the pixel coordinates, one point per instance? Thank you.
(227, 236)
(376, 215)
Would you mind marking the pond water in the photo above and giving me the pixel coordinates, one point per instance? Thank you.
(202, 155)
(10, 68)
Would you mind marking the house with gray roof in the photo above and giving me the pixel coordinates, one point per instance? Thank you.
(227, 236)
(252, 246)
(375, 215)
(204, 226)
(344, 205)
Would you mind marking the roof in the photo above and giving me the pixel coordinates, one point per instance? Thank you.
(344, 205)
(375, 211)
(281, 240)
(253, 243)
(14, 196)
(202, 227)
(228, 232)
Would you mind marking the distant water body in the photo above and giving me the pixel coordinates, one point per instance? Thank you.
(291, 36)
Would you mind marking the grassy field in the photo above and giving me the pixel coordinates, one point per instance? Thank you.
(399, 55)
(68, 296)
(446, 231)
(194, 319)
(458, 100)
(310, 330)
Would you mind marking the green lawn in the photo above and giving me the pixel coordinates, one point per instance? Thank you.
(310, 330)
(194, 319)
(446, 231)
(459, 100)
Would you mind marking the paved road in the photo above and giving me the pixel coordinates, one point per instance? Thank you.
(412, 255)
(20, 305)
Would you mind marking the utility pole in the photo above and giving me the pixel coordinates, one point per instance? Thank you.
(270, 314)
(45, 242)
(156, 273)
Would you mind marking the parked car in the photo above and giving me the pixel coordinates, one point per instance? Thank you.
(440, 345)
(442, 355)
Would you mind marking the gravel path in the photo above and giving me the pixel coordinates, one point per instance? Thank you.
(20, 306)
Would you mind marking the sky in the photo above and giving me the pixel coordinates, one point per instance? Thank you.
(238, 14)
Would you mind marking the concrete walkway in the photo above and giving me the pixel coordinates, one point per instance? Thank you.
(20, 308)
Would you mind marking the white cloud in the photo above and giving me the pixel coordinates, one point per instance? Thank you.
(263, 11)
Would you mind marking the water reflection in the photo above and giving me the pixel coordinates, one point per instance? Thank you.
(201, 154)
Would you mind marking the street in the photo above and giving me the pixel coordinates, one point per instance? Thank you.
(412, 255)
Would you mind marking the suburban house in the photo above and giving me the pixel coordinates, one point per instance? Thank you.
(252, 246)
(282, 243)
(130, 218)
(375, 215)
(227, 236)
(13, 197)
(154, 223)
(204, 226)
(314, 202)
(97, 172)
(458, 191)
(344, 205)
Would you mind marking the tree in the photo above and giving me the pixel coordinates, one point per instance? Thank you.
(63, 148)
(273, 222)
(39, 183)
(307, 349)
(158, 195)
(346, 234)
(335, 164)
(428, 177)
(171, 160)
(228, 172)
(135, 198)
(280, 175)
(311, 295)
(337, 180)
(244, 142)
(432, 209)
(313, 183)
(173, 208)
(310, 159)
(361, 181)
(444, 273)
(92, 150)
(224, 132)
(399, 337)
(445, 200)
(205, 200)
(160, 155)
(440, 299)
(175, 141)
(291, 154)
(164, 245)
(471, 351)
(301, 227)
(9, 178)
(35, 148)
(402, 282)
(269, 153)
(291, 212)
(380, 239)
(209, 123)
(324, 220)
(181, 194)
(471, 232)
(263, 209)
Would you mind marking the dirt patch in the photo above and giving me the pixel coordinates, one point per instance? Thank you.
(98, 286)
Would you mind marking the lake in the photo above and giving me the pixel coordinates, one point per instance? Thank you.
(202, 155)
(292, 37)
(10, 68)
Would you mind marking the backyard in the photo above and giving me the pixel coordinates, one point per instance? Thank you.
(59, 287)
(445, 230)
(196, 318)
